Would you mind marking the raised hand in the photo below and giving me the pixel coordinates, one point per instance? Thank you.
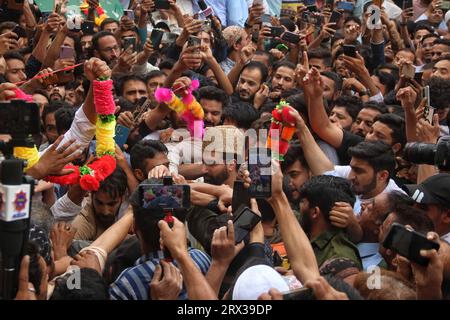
(167, 285)
(95, 68)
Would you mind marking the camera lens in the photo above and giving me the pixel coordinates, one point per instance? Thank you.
(420, 153)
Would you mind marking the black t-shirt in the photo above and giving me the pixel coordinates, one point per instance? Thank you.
(348, 140)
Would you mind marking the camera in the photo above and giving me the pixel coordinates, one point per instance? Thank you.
(428, 153)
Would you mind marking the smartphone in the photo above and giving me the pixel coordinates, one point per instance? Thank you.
(408, 71)
(88, 27)
(169, 37)
(46, 15)
(162, 4)
(276, 31)
(335, 17)
(290, 37)
(259, 167)
(408, 243)
(121, 136)
(244, 221)
(166, 196)
(129, 42)
(156, 37)
(58, 8)
(407, 4)
(346, 6)
(241, 197)
(418, 77)
(426, 95)
(445, 5)
(193, 41)
(21, 33)
(349, 50)
(18, 117)
(255, 2)
(299, 294)
(129, 14)
(66, 53)
(266, 20)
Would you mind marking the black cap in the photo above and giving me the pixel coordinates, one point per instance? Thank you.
(434, 190)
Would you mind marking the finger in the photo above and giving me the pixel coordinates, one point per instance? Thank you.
(44, 277)
(157, 274)
(436, 120)
(254, 206)
(23, 273)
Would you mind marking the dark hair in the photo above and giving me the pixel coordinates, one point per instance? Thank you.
(294, 153)
(259, 66)
(386, 79)
(13, 55)
(423, 26)
(115, 185)
(96, 38)
(353, 18)
(298, 102)
(416, 218)
(128, 77)
(284, 63)
(395, 70)
(77, 44)
(64, 117)
(377, 153)
(166, 64)
(72, 85)
(52, 107)
(396, 124)
(108, 21)
(322, 54)
(213, 93)
(145, 149)
(265, 53)
(336, 79)
(243, 113)
(7, 25)
(323, 191)
(352, 105)
(439, 92)
(430, 35)
(153, 74)
(92, 287)
(146, 220)
(445, 42)
(378, 106)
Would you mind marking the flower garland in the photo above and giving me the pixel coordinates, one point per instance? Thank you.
(89, 176)
(188, 107)
(281, 120)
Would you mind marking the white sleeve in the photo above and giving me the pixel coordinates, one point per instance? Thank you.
(339, 171)
(81, 130)
(64, 209)
(377, 98)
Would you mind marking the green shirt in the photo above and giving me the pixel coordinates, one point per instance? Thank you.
(333, 244)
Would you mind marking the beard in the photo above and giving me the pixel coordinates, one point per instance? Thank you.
(364, 189)
(218, 179)
(306, 223)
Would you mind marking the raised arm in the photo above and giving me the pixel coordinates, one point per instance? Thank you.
(299, 250)
(174, 239)
(313, 89)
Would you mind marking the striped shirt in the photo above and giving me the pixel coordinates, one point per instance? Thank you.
(134, 283)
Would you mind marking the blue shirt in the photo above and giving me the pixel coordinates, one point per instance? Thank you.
(134, 283)
(230, 12)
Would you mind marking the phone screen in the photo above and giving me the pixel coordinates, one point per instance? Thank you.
(408, 243)
(66, 53)
(165, 196)
(290, 37)
(156, 38)
(241, 196)
(349, 50)
(244, 222)
(335, 17)
(24, 121)
(259, 167)
(346, 6)
(129, 14)
(162, 4)
(129, 42)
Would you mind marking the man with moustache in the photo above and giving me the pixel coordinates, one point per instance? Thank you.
(56, 93)
(251, 87)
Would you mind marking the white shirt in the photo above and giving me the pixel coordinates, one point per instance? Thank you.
(344, 172)
(370, 256)
(446, 237)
